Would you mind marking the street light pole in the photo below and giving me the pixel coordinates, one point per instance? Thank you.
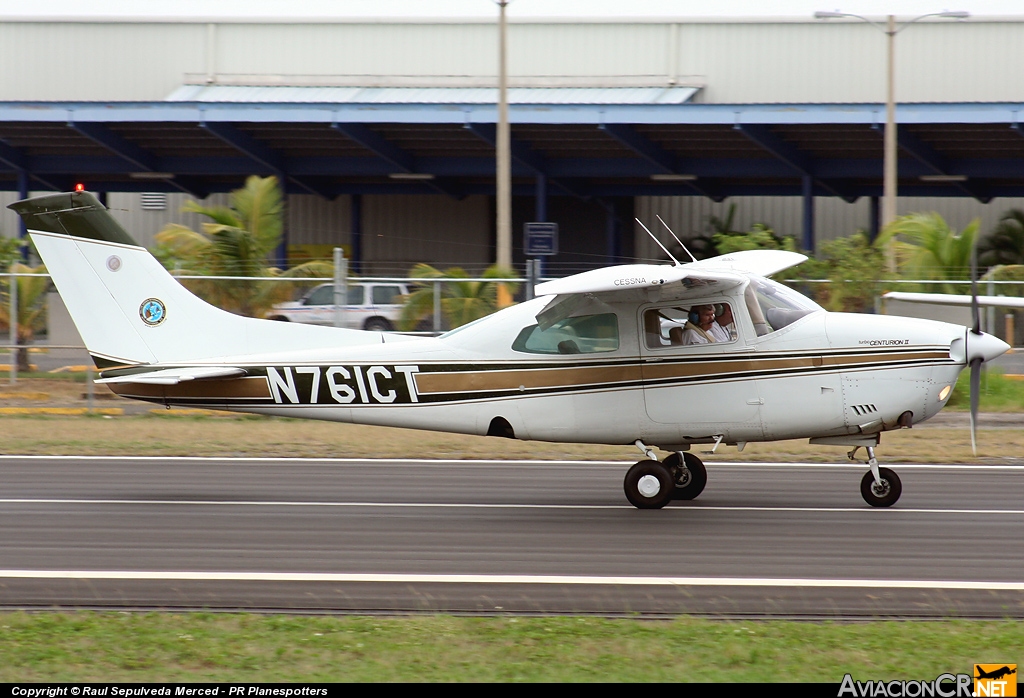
(889, 155)
(503, 252)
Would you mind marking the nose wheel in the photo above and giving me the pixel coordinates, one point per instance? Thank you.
(880, 487)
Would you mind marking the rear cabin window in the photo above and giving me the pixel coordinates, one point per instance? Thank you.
(586, 334)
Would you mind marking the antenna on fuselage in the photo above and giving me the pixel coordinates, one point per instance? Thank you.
(676, 237)
(658, 241)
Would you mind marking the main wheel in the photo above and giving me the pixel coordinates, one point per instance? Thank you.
(690, 475)
(648, 485)
(885, 494)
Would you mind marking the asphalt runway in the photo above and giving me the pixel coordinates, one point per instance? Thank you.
(330, 536)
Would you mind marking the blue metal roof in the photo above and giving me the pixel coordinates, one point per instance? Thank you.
(629, 144)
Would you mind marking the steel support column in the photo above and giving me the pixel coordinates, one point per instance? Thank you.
(22, 194)
(356, 232)
(875, 224)
(808, 194)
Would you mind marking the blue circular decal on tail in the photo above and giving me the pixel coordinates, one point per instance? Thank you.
(152, 311)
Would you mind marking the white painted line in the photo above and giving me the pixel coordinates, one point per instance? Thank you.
(503, 462)
(480, 505)
(142, 575)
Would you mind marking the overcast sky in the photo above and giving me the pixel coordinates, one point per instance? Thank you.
(487, 8)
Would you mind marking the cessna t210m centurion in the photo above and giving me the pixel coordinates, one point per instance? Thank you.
(660, 356)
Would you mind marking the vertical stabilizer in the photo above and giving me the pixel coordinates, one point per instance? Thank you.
(129, 309)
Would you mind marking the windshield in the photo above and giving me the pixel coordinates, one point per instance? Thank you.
(773, 306)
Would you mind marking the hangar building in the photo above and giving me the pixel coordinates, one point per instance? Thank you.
(382, 131)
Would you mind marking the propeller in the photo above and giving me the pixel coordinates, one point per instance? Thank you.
(976, 361)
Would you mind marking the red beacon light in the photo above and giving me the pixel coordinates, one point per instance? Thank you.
(79, 187)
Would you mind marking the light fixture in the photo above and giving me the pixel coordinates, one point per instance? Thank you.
(673, 177)
(411, 176)
(151, 176)
(943, 178)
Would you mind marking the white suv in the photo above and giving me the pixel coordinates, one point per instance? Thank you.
(371, 306)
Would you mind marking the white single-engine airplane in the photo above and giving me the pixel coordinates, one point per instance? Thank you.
(662, 356)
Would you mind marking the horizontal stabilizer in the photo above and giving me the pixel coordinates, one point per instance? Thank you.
(955, 299)
(173, 376)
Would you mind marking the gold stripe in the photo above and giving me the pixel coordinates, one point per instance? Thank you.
(486, 381)
(226, 388)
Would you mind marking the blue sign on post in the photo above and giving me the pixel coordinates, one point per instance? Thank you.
(540, 239)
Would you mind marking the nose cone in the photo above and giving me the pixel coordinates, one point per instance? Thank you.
(985, 347)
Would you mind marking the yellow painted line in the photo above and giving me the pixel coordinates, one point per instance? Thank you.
(61, 411)
(71, 369)
(1014, 376)
(24, 396)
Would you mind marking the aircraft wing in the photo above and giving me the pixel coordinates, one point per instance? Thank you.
(173, 376)
(628, 277)
(955, 299)
(757, 262)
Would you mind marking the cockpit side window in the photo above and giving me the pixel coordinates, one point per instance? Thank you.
(677, 326)
(584, 334)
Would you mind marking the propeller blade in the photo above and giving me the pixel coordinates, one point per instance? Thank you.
(975, 389)
(975, 315)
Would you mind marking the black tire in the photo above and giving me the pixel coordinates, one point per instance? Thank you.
(690, 475)
(648, 485)
(377, 324)
(280, 318)
(885, 496)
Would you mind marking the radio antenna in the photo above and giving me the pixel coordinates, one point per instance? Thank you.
(676, 237)
(658, 241)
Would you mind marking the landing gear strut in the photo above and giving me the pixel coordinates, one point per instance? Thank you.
(880, 487)
(651, 485)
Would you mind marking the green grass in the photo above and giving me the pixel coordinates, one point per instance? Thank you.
(998, 393)
(88, 646)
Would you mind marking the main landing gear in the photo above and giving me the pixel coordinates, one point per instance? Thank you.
(650, 484)
(880, 487)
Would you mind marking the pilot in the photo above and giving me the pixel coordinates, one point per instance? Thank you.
(723, 330)
(699, 325)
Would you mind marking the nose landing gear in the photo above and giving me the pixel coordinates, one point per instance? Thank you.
(880, 487)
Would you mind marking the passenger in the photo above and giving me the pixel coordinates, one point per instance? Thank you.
(724, 330)
(698, 326)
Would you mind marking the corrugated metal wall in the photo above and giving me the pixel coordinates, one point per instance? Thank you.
(738, 62)
(97, 61)
(399, 231)
(688, 215)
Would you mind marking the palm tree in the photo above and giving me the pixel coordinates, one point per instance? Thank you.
(461, 301)
(236, 243)
(31, 311)
(1006, 243)
(927, 248)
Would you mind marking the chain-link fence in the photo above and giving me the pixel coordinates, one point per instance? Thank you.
(27, 320)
